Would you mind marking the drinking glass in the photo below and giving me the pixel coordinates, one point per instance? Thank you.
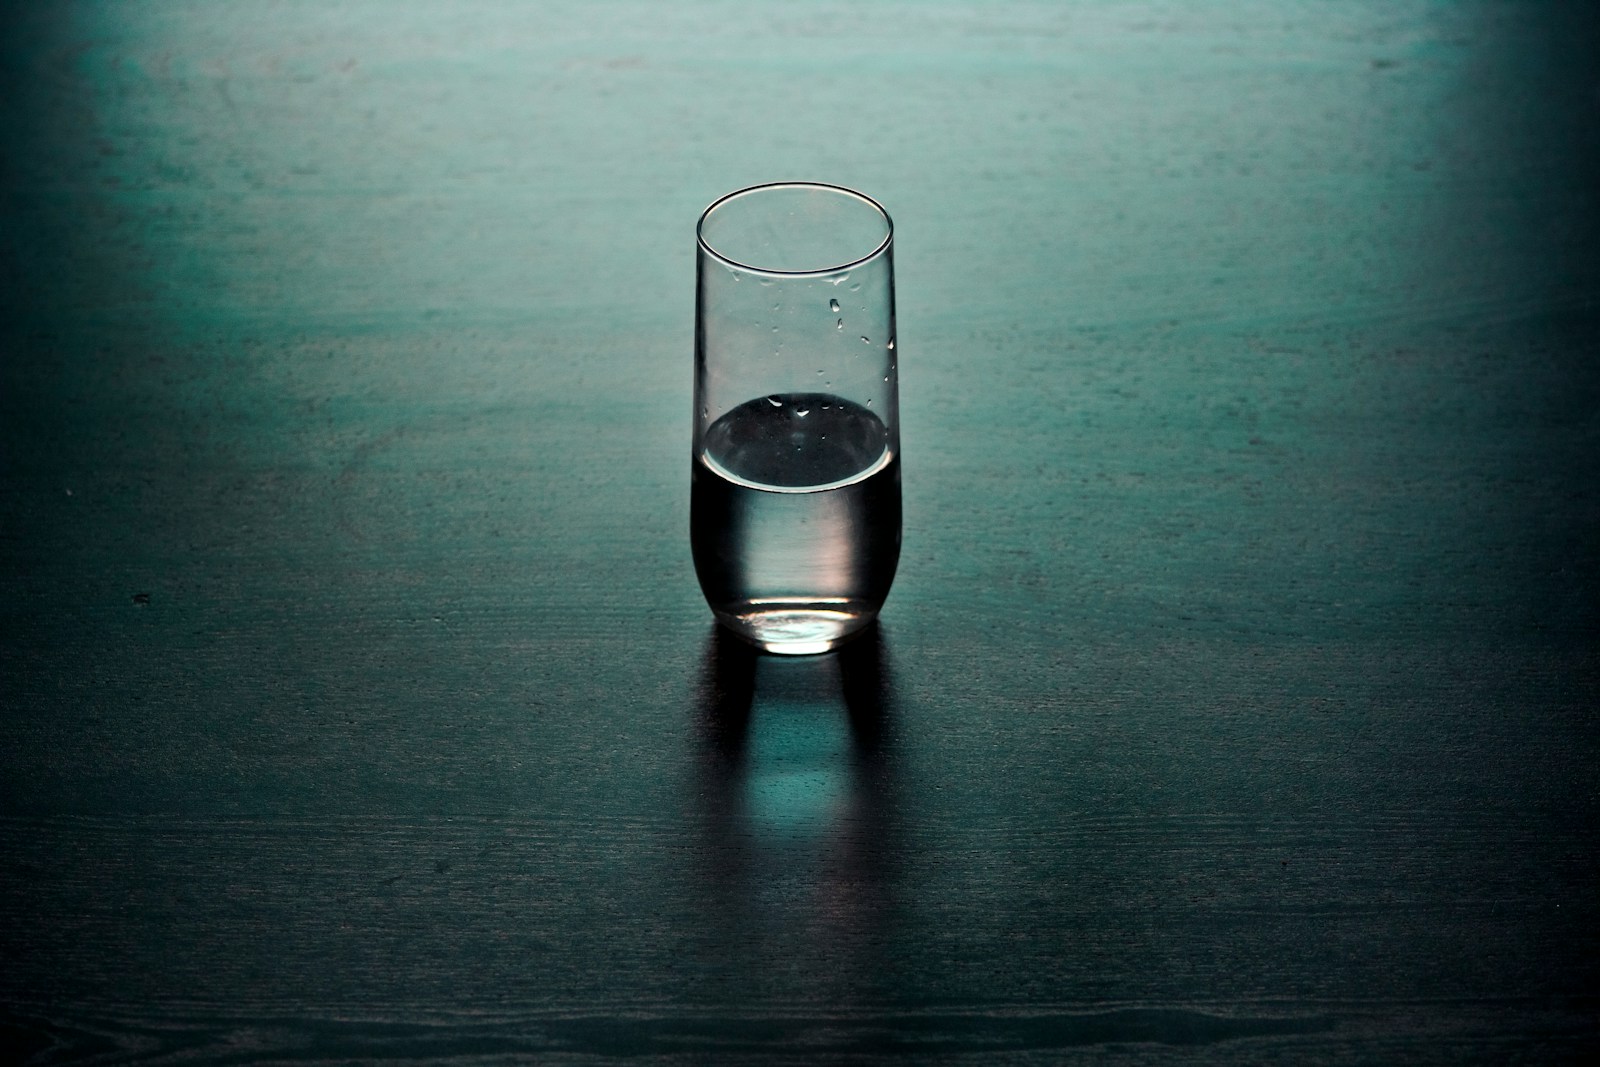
(795, 498)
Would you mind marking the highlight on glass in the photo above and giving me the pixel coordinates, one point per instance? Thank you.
(795, 498)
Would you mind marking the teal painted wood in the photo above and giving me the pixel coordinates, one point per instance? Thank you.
(1235, 697)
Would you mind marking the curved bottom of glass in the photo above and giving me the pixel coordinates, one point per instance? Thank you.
(790, 628)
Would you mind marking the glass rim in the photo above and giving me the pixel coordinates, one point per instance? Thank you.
(878, 250)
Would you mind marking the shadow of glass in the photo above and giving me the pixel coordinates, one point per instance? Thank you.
(729, 679)
(795, 791)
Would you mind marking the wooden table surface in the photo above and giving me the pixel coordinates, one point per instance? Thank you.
(1235, 702)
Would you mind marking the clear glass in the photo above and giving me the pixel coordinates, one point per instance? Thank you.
(795, 499)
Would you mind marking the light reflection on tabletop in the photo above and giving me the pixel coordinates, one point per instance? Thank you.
(795, 789)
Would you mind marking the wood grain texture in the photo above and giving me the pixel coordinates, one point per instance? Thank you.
(1235, 700)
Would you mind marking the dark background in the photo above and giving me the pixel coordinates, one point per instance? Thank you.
(1236, 696)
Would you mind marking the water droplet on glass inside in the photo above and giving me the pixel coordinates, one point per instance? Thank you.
(802, 412)
(856, 288)
(774, 401)
(833, 305)
(840, 326)
(865, 339)
(839, 279)
(891, 344)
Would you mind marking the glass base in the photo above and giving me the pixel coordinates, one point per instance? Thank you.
(798, 628)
